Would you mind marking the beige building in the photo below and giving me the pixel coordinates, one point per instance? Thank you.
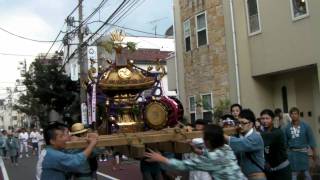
(10, 118)
(261, 53)
(202, 66)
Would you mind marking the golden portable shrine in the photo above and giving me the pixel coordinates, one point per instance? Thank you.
(124, 84)
(135, 102)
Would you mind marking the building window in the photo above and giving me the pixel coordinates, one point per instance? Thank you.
(253, 17)
(201, 22)
(299, 9)
(192, 109)
(187, 35)
(207, 107)
(14, 118)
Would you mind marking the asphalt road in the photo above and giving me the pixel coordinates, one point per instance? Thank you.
(26, 170)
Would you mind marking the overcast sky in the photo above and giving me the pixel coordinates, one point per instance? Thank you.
(42, 20)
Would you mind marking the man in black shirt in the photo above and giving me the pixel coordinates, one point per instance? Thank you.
(277, 164)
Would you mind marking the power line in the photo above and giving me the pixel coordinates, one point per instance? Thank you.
(124, 11)
(99, 29)
(121, 14)
(78, 28)
(22, 37)
(56, 39)
(12, 54)
(53, 43)
(60, 47)
(131, 9)
(44, 41)
(74, 9)
(131, 29)
(102, 3)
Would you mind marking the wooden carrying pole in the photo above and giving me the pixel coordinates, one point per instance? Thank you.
(133, 139)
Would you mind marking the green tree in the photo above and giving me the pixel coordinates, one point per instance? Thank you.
(222, 108)
(48, 88)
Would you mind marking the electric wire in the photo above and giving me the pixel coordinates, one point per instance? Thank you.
(131, 29)
(102, 3)
(107, 30)
(52, 44)
(99, 29)
(74, 9)
(133, 9)
(35, 40)
(62, 28)
(78, 28)
(26, 38)
(121, 14)
(13, 54)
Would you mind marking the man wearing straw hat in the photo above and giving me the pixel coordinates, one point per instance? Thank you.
(79, 131)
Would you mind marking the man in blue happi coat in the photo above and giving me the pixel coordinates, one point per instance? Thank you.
(248, 147)
(299, 138)
(54, 163)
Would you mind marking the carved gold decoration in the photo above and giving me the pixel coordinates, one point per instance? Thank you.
(117, 36)
(124, 73)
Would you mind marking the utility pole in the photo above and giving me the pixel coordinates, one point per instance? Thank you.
(82, 62)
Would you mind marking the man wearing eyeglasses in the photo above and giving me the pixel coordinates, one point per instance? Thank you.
(248, 147)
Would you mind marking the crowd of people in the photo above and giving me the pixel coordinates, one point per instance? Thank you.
(268, 147)
(15, 144)
(271, 146)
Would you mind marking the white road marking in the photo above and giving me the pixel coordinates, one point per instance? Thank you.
(107, 176)
(3, 170)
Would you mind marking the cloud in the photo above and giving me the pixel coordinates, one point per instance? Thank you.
(25, 24)
(42, 19)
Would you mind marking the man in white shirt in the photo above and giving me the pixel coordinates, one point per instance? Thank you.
(40, 141)
(23, 139)
(34, 140)
(198, 143)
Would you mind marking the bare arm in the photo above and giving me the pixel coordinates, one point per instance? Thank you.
(92, 139)
(156, 157)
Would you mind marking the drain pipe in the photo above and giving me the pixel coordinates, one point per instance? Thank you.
(176, 53)
(236, 64)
